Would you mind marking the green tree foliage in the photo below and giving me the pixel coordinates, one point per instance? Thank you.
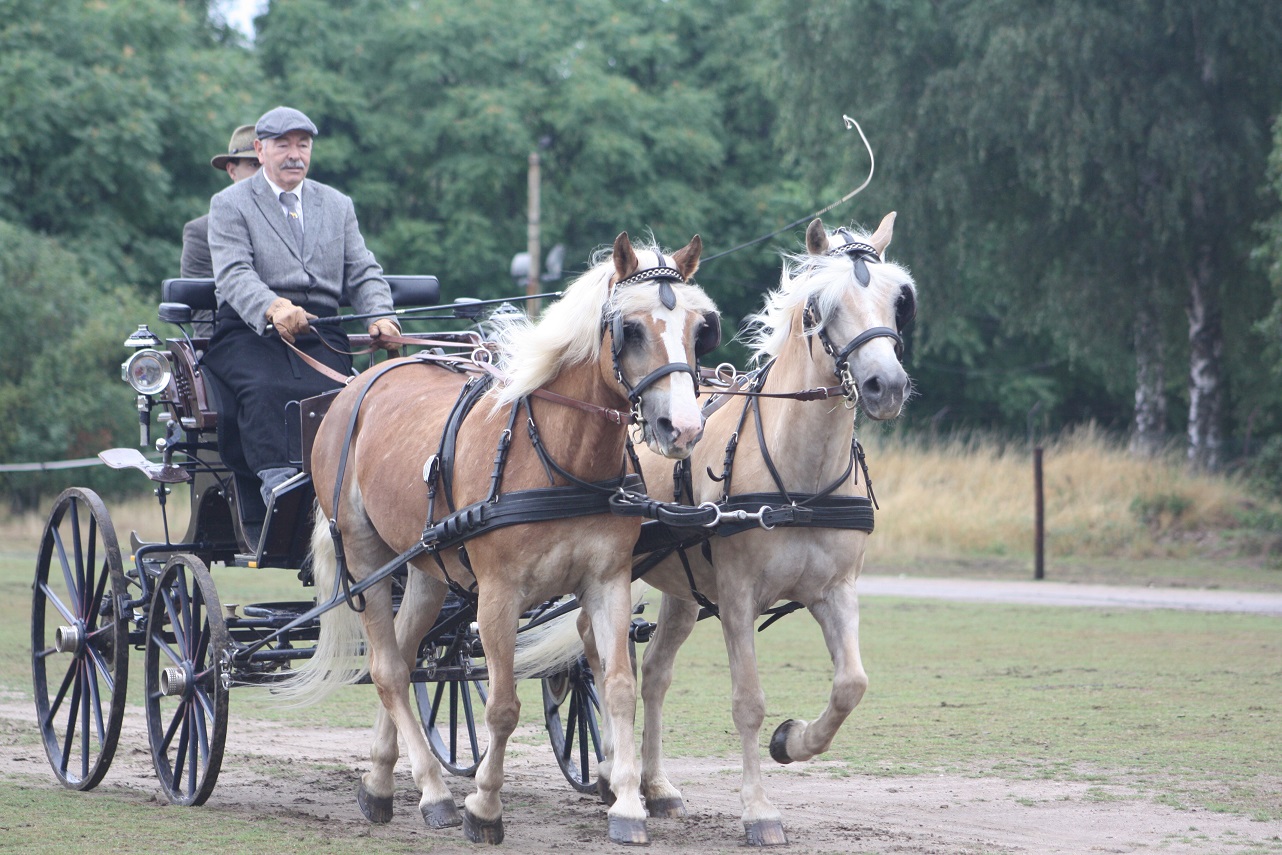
(112, 110)
(60, 340)
(1061, 167)
(429, 112)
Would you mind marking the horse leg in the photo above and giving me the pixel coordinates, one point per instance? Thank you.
(609, 608)
(762, 822)
(838, 617)
(497, 620)
(391, 676)
(677, 618)
(590, 652)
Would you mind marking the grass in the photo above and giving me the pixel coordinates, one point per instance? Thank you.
(974, 498)
(1178, 708)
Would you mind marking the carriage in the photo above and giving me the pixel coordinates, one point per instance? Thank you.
(95, 597)
(838, 314)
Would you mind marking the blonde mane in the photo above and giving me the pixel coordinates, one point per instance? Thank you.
(568, 333)
(826, 278)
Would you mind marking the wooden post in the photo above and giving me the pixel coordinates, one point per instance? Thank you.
(1039, 514)
(532, 234)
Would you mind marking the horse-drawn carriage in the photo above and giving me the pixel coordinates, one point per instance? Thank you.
(95, 598)
(435, 437)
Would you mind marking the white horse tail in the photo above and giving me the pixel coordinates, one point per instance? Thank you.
(554, 646)
(339, 658)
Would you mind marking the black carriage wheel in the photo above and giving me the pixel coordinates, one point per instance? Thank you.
(572, 712)
(186, 697)
(453, 717)
(79, 639)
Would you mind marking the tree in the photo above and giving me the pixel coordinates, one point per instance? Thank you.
(1087, 168)
(112, 111)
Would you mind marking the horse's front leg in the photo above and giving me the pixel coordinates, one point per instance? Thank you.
(389, 667)
(762, 822)
(497, 615)
(677, 618)
(838, 617)
(609, 609)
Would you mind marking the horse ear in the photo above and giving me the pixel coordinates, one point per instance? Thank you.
(625, 259)
(881, 238)
(687, 258)
(816, 237)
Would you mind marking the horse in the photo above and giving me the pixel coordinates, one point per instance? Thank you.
(836, 315)
(619, 346)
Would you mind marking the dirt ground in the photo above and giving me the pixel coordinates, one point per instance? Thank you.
(290, 776)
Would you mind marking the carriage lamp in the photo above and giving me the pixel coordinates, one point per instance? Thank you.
(147, 371)
(142, 337)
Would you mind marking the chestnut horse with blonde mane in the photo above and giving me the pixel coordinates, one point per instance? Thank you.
(621, 342)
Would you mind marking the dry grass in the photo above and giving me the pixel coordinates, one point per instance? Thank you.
(975, 498)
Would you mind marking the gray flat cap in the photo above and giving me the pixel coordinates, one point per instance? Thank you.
(281, 120)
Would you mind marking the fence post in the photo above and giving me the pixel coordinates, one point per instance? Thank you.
(1039, 514)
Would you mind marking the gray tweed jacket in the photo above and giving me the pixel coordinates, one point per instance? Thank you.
(256, 258)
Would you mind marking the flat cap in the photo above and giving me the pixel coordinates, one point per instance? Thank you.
(279, 121)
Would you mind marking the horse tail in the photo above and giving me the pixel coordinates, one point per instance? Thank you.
(339, 658)
(554, 646)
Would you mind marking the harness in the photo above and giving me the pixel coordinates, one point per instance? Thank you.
(736, 513)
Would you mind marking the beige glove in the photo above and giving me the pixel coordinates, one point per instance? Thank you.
(381, 328)
(288, 319)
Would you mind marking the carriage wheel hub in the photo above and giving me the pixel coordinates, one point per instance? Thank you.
(173, 681)
(68, 639)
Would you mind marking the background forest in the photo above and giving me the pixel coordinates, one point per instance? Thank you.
(1089, 191)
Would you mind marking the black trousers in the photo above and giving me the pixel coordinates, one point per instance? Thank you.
(257, 377)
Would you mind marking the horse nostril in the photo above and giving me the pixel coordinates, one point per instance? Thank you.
(666, 428)
(872, 387)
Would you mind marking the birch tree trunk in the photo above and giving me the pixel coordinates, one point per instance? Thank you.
(1206, 346)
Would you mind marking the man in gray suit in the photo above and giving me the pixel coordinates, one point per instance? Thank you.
(239, 162)
(285, 249)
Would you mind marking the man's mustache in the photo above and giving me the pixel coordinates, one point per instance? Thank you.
(293, 163)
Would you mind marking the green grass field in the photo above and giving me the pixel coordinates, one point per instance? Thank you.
(1182, 707)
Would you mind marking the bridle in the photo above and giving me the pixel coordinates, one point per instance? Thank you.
(612, 324)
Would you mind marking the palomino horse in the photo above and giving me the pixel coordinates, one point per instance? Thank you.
(835, 318)
(621, 342)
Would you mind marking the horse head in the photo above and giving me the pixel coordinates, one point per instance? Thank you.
(657, 323)
(858, 307)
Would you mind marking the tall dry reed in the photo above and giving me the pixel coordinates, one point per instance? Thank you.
(975, 497)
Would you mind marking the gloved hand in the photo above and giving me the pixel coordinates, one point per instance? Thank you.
(288, 319)
(381, 328)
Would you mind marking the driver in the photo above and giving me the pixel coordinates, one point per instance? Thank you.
(285, 249)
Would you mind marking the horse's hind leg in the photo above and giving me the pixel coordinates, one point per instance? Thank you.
(838, 617)
(676, 620)
(389, 666)
(497, 615)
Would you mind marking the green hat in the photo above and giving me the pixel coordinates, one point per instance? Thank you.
(241, 147)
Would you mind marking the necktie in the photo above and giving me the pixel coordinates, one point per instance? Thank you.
(290, 201)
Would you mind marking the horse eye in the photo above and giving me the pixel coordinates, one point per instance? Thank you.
(633, 332)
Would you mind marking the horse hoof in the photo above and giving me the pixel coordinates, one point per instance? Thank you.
(442, 814)
(630, 832)
(376, 808)
(669, 807)
(779, 742)
(765, 832)
(479, 830)
(603, 790)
